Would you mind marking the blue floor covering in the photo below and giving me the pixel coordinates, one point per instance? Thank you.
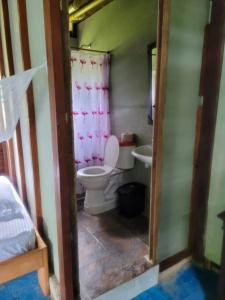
(22, 288)
(189, 284)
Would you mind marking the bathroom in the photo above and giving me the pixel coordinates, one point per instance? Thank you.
(120, 34)
(40, 163)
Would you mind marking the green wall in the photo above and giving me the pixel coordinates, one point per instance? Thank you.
(125, 28)
(214, 233)
(35, 15)
(188, 19)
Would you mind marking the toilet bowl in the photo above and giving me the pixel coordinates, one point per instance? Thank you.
(95, 178)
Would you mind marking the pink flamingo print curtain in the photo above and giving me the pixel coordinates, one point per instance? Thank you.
(90, 92)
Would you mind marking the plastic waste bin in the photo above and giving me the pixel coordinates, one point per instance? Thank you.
(131, 199)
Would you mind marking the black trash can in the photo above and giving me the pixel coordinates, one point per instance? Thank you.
(131, 199)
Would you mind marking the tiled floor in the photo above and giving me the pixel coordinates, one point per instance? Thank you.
(111, 251)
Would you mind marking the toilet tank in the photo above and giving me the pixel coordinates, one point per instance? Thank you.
(126, 159)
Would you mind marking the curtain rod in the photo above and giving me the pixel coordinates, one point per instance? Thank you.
(90, 50)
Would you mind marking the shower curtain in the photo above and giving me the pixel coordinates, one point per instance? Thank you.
(90, 108)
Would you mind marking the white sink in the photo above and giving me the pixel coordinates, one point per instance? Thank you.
(144, 154)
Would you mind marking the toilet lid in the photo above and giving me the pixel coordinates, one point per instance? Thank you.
(111, 151)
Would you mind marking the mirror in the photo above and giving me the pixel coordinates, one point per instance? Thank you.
(152, 57)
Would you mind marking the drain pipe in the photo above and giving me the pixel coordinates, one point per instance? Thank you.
(78, 14)
(75, 5)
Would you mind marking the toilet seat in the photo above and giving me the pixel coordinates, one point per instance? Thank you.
(111, 151)
(94, 171)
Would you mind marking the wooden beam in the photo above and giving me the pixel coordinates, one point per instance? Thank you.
(5, 158)
(12, 72)
(23, 29)
(2, 163)
(12, 165)
(195, 166)
(161, 78)
(9, 144)
(2, 73)
(59, 78)
(204, 60)
(2, 65)
(210, 87)
(21, 164)
(8, 36)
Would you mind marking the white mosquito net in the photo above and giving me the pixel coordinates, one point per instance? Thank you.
(12, 92)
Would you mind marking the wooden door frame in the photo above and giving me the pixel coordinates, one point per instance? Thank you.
(62, 130)
(209, 89)
(205, 131)
(59, 78)
(56, 24)
(157, 159)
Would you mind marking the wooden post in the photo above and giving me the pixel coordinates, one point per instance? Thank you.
(209, 89)
(221, 292)
(161, 71)
(59, 79)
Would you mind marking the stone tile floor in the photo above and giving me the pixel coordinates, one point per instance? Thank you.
(111, 251)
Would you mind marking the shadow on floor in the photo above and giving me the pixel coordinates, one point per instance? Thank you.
(112, 250)
(208, 280)
(191, 283)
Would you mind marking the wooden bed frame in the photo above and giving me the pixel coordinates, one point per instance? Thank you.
(34, 260)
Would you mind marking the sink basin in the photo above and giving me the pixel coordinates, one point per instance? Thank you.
(144, 154)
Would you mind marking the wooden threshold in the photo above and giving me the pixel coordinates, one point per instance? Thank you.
(173, 260)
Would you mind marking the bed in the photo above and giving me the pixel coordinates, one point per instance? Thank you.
(21, 248)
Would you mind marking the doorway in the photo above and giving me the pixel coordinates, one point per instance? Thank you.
(111, 87)
(68, 222)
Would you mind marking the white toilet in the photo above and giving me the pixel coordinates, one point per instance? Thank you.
(96, 178)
